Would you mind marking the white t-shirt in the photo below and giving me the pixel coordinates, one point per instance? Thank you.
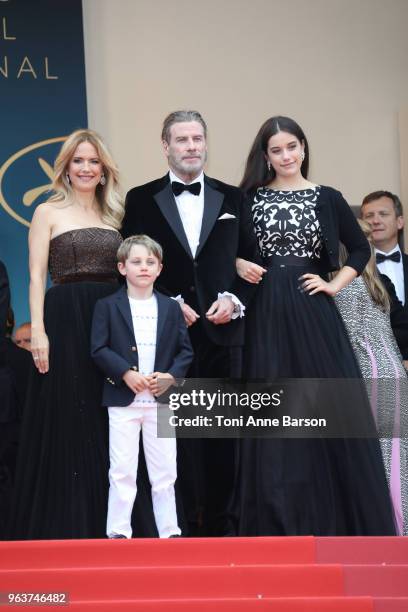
(144, 318)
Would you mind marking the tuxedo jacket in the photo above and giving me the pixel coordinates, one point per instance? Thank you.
(404, 258)
(405, 267)
(399, 312)
(114, 347)
(226, 233)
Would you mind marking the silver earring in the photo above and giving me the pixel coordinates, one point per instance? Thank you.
(68, 178)
(268, 164)
(103, 180)
(303, 156)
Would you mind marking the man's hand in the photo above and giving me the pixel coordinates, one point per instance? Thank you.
(190, 315)
(159, 382)
(135, 381)
(220, 311)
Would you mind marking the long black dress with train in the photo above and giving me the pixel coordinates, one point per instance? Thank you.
(311, 485)
(62, 474)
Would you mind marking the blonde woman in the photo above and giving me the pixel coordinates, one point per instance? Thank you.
(364, 306)
(61, 483)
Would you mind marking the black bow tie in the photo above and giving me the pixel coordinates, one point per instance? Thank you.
(193, 188)
(395, 256)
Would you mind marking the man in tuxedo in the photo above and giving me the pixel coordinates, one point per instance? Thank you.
(203, 225)
(383, 211)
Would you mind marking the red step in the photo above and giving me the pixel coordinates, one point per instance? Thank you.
(153, 552)
(290, 604)
(376, 580)
(177, 583)
(358, 550)
(391, 604)
(300, 574)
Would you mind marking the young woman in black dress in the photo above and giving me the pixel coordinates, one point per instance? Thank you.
(311, 485)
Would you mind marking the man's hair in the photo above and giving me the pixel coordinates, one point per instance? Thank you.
(181, 116)
(151, 245)
(376, 195)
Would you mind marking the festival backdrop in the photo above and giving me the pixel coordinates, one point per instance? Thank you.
(42, 100)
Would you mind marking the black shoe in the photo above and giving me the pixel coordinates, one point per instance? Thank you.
(175, 535)
(117, 536)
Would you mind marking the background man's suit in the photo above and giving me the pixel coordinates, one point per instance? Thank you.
(226, 233)
(405, 267)
(399, 312)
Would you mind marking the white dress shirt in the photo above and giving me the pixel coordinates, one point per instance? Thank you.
(395, 272)
(191, 211)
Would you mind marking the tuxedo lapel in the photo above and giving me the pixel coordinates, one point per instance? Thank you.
(213, 200)
(122, 302)
(167, 204)
(405, 268)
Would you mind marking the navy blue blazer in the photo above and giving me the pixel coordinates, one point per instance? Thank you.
(114, 348)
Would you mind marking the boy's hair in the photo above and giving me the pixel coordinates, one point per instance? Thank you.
(151, 245)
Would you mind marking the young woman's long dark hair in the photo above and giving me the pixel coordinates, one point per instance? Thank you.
(256, 171)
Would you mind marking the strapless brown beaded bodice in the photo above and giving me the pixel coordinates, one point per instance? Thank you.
(86, 254)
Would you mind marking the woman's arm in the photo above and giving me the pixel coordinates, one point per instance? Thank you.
(313, 283)
(39, 244)
(249, 271)
(351, 235)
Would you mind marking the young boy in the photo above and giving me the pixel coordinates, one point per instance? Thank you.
(140, 341)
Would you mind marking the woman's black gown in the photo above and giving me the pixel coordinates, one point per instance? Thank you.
(61, 485)
(310, 485)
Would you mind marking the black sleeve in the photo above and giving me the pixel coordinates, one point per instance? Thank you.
(185, 354)
(398, 317)
(247, 249)
(351, 235)
(132, 221)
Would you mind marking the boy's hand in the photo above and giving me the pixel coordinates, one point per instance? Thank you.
(159, 382)
(135, 381)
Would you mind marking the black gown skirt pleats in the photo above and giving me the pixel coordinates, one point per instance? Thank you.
(307, 486)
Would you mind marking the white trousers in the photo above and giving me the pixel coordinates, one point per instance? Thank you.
(125, 424)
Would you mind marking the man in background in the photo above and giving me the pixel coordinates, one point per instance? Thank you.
(383, 211)
(22, 336)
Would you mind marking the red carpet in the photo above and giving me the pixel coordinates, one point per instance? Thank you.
(227, 575)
